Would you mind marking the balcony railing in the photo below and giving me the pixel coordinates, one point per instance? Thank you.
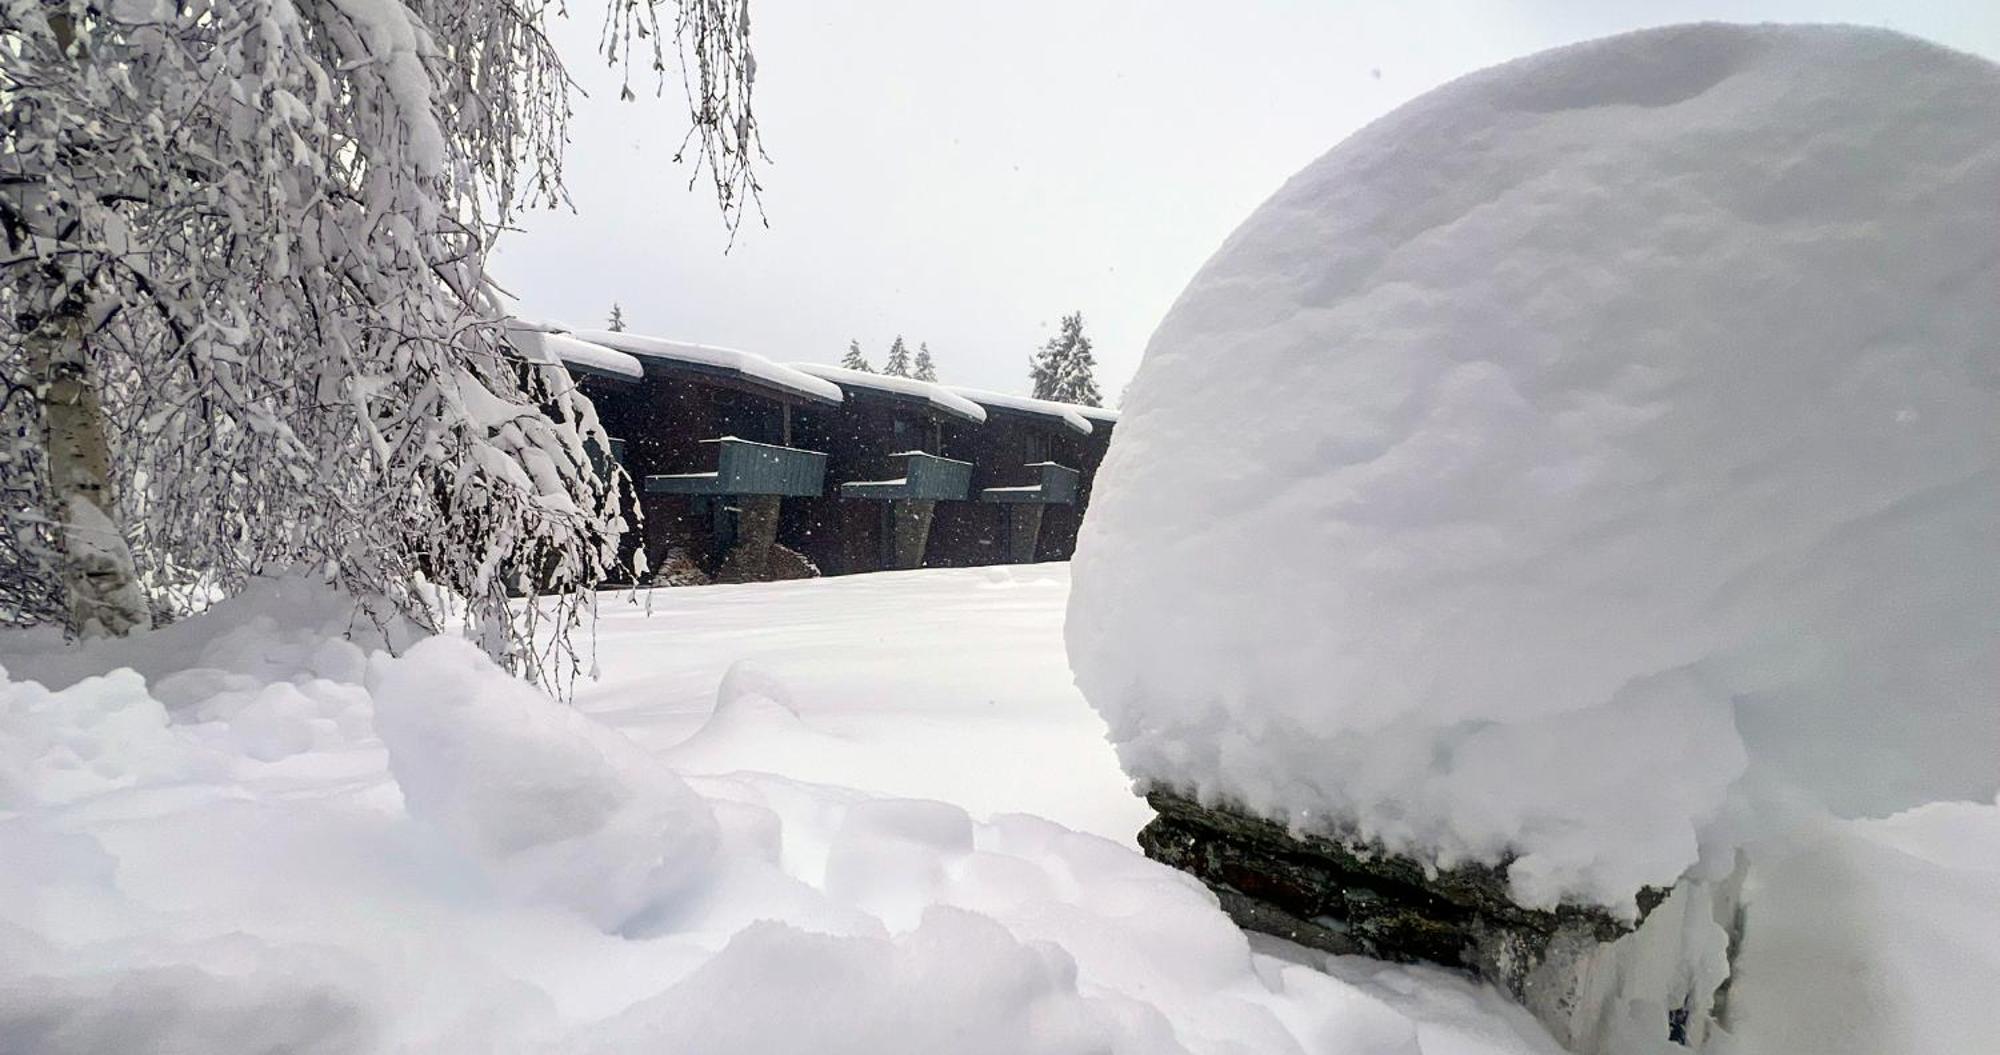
(1054, 485)
(925, 476)
(746, 468)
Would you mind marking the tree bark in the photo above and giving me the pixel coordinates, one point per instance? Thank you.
(100, 580)
(99, 577)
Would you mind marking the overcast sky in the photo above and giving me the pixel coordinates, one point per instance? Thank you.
(964, 173)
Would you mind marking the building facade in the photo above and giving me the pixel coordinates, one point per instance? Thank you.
(747, 469)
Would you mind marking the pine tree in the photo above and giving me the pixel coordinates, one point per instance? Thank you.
(245, 263)
(616, 324)
(926, 369)
(898, 363)
(1064, 370)
(854, 360)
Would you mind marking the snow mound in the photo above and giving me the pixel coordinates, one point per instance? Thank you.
(754, 709)
(558, 806)
(228, 996)
(1913, 965)
(1583, 446)
(958, 982)
(264, 676)
(96, 736)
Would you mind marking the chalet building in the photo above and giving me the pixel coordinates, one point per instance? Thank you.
(1025, 464)
(896, 449)
(708, 436)
(756, 470)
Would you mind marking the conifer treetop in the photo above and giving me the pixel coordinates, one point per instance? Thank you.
(898, 363)
(854, 360)
(1064, 369)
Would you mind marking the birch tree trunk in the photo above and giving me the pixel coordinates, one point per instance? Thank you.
(99, 577)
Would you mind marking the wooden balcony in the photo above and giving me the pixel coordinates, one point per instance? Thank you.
(746, 468)
(1054, 485)
(925, 476)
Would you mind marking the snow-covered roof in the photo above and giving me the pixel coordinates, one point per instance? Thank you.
(543, 341)
(938, 396)
(750, 365)
(1067, 413)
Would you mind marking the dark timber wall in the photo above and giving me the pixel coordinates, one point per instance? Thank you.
(966, 534)
(848, 535)
(664, 419)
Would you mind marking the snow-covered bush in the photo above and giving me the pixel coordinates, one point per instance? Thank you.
(1578, 462)
(245, 307)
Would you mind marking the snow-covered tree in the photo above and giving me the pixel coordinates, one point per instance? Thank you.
(854, 360)
(616, 323)
(926, 370)
(1064, 370)
(898, 363)
(247, 321)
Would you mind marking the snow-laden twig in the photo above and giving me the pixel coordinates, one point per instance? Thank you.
(251, 237)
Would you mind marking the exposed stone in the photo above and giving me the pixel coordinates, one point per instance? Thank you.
(676, 567)
(909, 528)
(749, 558)
(1569, 965)
(788, 563)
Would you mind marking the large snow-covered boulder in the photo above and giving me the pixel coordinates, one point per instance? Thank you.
(1578, 462)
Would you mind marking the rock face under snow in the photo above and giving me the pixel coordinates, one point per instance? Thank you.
(1576, 461)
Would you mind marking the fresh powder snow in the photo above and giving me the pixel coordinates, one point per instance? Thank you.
(545, 342)
(1075, 417)
(244, 833)
(1590, 466)
(748, 364)
(939, 397)
(785, 818)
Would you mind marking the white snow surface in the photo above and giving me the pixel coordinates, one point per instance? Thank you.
(749, 364)
(1070, 414)
(1579, 461)
(936, 395)
(1876, 936)
(780, 821)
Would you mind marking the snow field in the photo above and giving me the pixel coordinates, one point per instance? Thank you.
(456, 863)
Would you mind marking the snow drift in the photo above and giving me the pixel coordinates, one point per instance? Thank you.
(1587, 451)
(556, 806)
(456, 863)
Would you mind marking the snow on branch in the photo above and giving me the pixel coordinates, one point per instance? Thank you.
(249, 239)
